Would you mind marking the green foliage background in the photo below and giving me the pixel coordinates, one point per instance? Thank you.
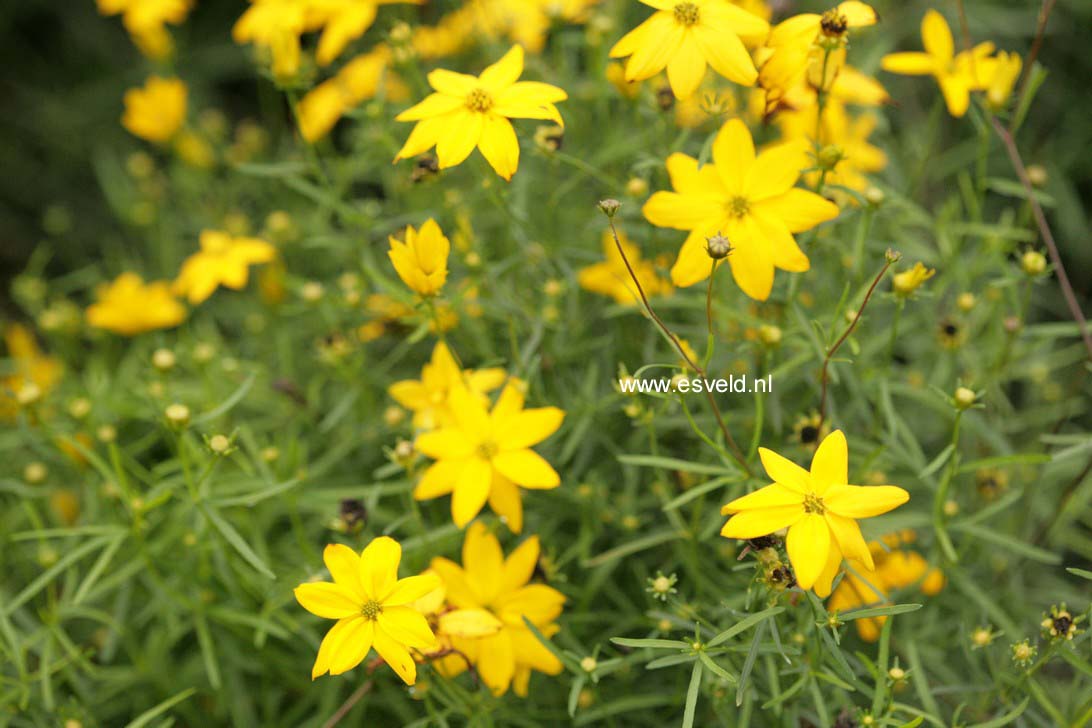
(184, 602)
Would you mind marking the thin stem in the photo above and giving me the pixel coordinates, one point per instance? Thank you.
(845, 335)
(736, 452)
(348, 705)
(1045, 233)
(1036, 46)
(941, 496)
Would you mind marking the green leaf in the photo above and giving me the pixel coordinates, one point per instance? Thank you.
(227, 404)
(744, 624)
(879, 611)
(238, 543)
(565, 659)
(692, 696)
(717, 669)
(653, 539)
(653, 643)
(1079, 572)
(1006, 718)
(655, 461)
(151, 714)
(1001, 461)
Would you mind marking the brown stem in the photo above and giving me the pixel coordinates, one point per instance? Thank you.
(348, 705)
(1045, 233)
(826, 360)
(736, 452)
(1036, 46)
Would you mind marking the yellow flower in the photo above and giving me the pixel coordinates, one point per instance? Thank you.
(611, 277)
(468, 112)
(750, 199)
(1005, 73)
(908, 281)
(498, 587)
(128, 306)
(526, 22)
(145, 21)
(685, 36)
(487, 455)
(848, 136)
(372, 608)
(957, 74)
(222, 261)
(421, 260)
(28, 366)
(427, 398)
(157, 111)
(276, 27)
(819, 508)
(360, 79)
(344, 21)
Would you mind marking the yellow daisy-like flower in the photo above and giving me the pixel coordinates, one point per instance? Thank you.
(428, 397)
(749, 199)
(491, 596)
(908, 281)
(222, 261)
(372, 607)
(468, 112)
(421, 259)
(684, 37)
(819, 508)
(157, 111)
(344, 21)
(128, 306)
(856, 156)
(1005, 73)
(146, 20)
(28, 364)
(276, 27)
(611, 277)
(957, 74)
(487, 455)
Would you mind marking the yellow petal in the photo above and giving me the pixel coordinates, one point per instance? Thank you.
(458, 139)
(733, 153)
(496, 662)
(395, 655)
(909, 64)
(328, 600)
(761, 521)
(499, 145)
(532, 652)
(672, 210)
(776, 170)
(379, 567)
(344, 566)
(433, 105)
(784, 252)
(662, 37)
(751, 260)
(330, 644)
(504, 72)
(424, 136)
(847, 535)
(451, 83)
(439, 479)
(686, 68)
(808, 544)
(469, 623)
(830, 464)
(529, 427)
(797, 209)
(856, 501)
(768, 497)
(530, 93)
(957, 94)
(520, 565)
(506, 502)
(411, 589)
(352, 645)
(471, 491)
(825, 581)
(537, 602)
(407, 626)
(936, 36)
(725, 53)
(482, 562)
(693, 264)
(526, 468)
(858, 14)
(459, 592)
(448, 444)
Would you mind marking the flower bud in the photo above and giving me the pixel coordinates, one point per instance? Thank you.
(964, 398)
(34, 473)
(769, 335)
(1037, 175)
(718, 247)
(163, 360)
(609, 207)
(178, 415)
(966, 301)
(1033, 263)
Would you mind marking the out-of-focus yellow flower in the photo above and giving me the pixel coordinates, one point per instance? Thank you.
(1006, 71)
(128, 306)
(276, 26)
(486, 456)
(895, 568)
(223, 260)
(491, 596)
(750, 199)
(146, 20)
(908, 281)
(421, 259)
(157, 111)
(343, 21)
(856, 157)
(373, 608)
(28, 364)
(819, 509)
(611, 277)
(468, 112)
(684, 37)
(526, 22)
(616, 74)
(360, 79)
(957, 74)
(427, 397)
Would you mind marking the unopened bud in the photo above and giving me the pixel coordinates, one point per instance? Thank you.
(1033, 263)
(163, 360)
(178, 415)
(718, 247)
(964, 398)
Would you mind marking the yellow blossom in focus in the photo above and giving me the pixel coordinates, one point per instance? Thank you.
(957, 74)
(421, 259)
(129, 306)
(611, 277)
(157, 111)
(486, 455)
(427, 397)
(750, 199)
(223, 260)
(908, 281)
(467, 112)
(819, 508)
(490, 585)
(684, 37)
(28, 365)
(145, 20)
(372, 607)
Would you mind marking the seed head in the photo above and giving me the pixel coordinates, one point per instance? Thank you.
(609, 207)
(718, 247)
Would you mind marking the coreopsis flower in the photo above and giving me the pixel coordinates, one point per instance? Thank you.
(129, 306)
(360, 79)
(343, 21)
(499, 587)
(819, 508)
(810, 46)
(427, 397)
(750, 199)
(157, 111)
(421, 258)
(373, 608)
(276, 26)
(467, 112)
(223, 260)
(486, 455)
(526, 22)
(1005, 73)
(145, 20)
(908, 281)
(684, 37)
(611, 277)
(29, 367)
(896, 567)
(957, 74)
(846, 135)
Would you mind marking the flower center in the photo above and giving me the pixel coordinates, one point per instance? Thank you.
(738, 206)
(833, 23)
(687, 14)
(814, 504)
(371, 609)
(487, 449)
(479, 100)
